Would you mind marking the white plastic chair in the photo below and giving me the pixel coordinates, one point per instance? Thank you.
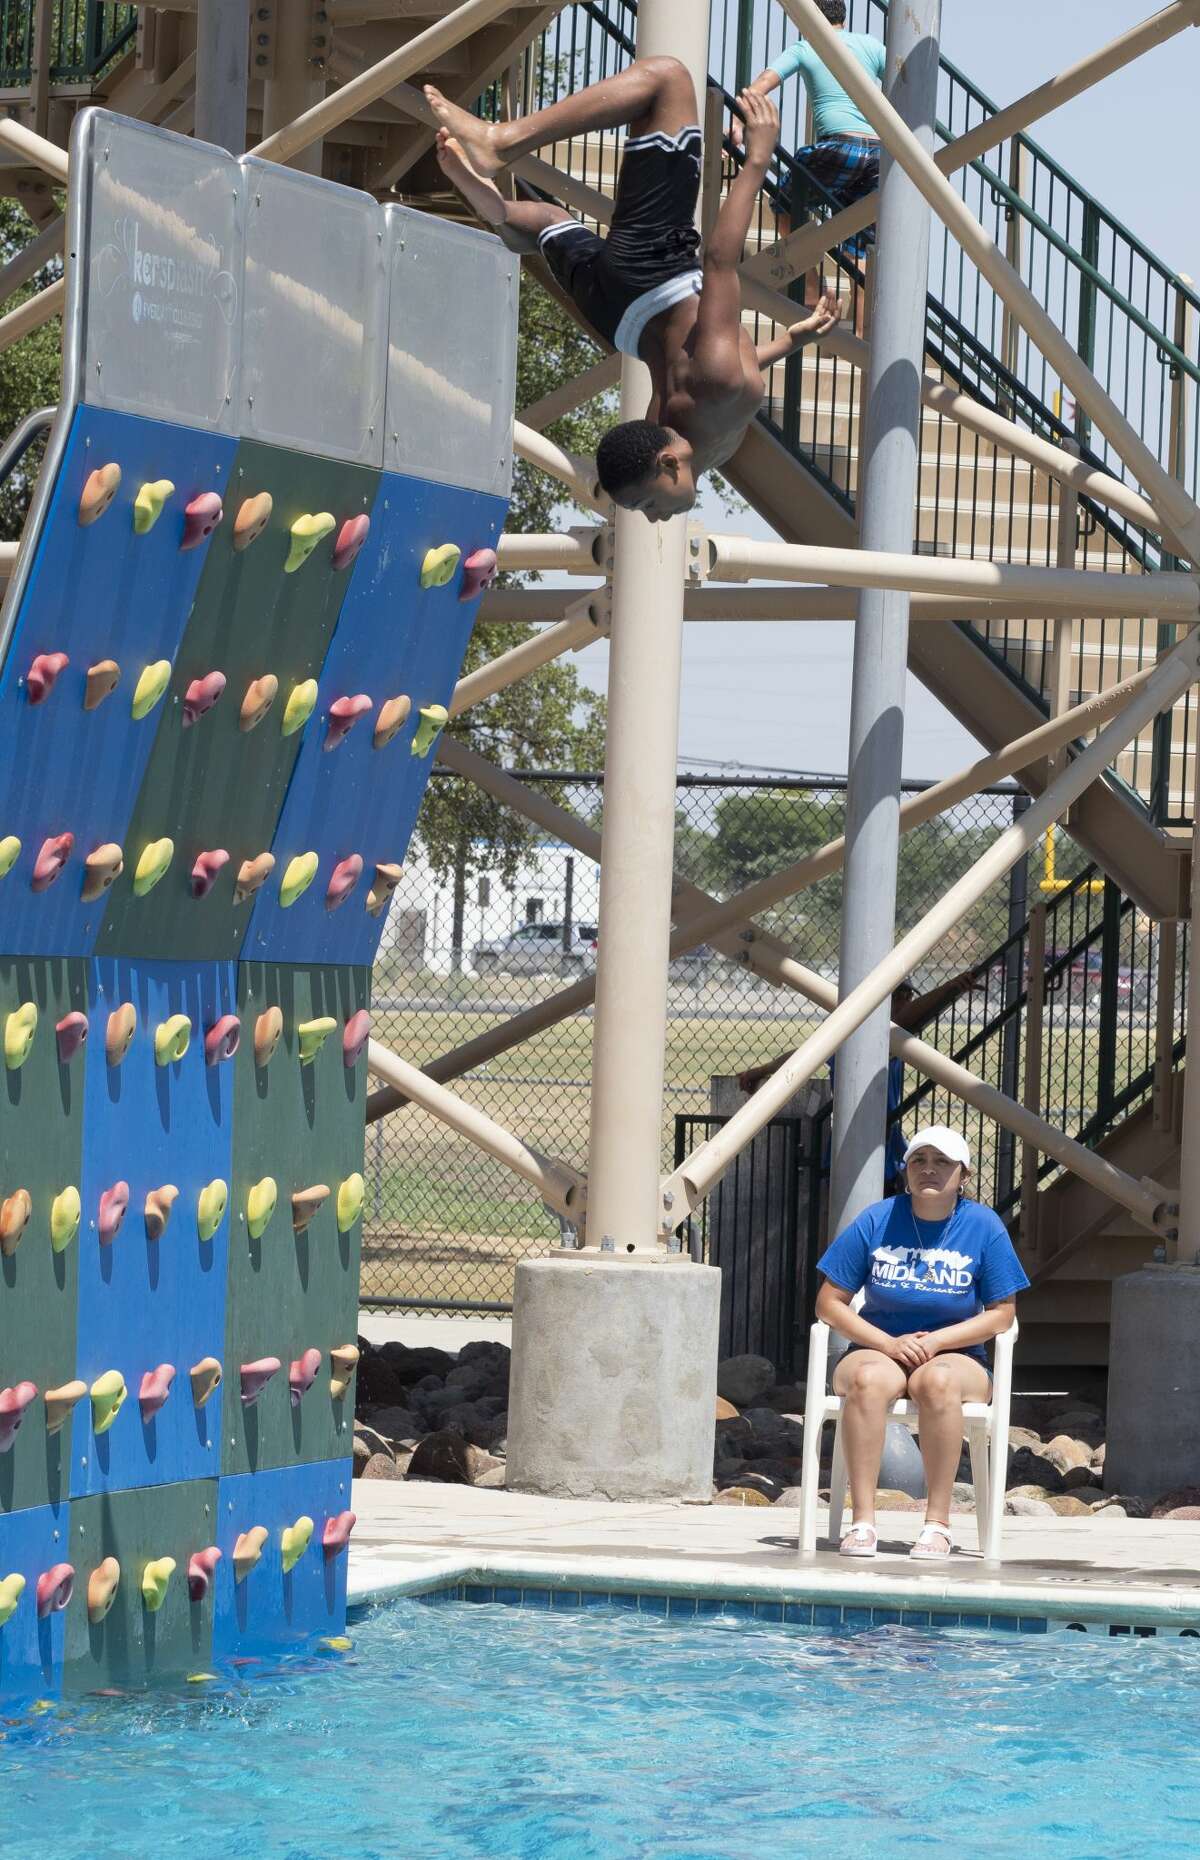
(985, 1425)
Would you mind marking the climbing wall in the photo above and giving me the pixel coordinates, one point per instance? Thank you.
(270, 503)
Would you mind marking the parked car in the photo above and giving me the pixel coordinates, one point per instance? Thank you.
(537, 949)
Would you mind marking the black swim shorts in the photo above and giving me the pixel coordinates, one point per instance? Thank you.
(650, 259)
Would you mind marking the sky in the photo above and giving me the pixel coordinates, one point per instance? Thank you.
(776, 696)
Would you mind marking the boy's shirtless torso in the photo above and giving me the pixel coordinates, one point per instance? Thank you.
(712, 417)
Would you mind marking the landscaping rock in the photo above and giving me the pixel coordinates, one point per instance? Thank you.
(1087, 1426)
(773, 1431)
(380, 1466)
(496, 1355)
(752, 1482)
(888, 1499)
(411, 1364)
(1190, 1513)
(394, 1423)
(1067, 1505)
(726, 1470)
(1109, 1511)
(1063, 1452)
(733, 1436)
(785, 1397)
(1171, 1501)
(789, 1499)
(424, 1385)
(444, 1457)
(493, 1479)
(1091, 1495)
(1027, 1508)
(377, 1382)
(368, 1440)
(1077, 1477)
(482, 1464)
(726, 1410)
(742, 1379)
(1132, 1507)
(1029, 1491)
(1028, 1468)
(473, 1424)
(1024, 1437)
(1099, 1456)
(962, 1498)
(741, 1495)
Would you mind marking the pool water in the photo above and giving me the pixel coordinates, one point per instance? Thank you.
(471, 1730)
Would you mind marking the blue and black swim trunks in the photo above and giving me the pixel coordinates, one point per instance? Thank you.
(844, 168)
(650, 259)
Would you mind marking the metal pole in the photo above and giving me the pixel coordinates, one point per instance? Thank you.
(889, 486)
(296, 86)
(1035, 1006)
(636, 874)
(222, 73)
(1188, 1245)
(568, 904)
(1010, 1058)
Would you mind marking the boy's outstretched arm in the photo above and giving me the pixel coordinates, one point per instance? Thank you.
(820, 320)
(719, 317)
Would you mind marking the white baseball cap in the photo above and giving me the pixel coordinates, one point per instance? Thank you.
(948, 1143)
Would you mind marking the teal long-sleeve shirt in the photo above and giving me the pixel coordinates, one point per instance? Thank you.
(834, 113)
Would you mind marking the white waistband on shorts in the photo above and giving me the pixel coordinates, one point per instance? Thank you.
(650, 304)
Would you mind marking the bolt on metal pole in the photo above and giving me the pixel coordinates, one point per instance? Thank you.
(222, 73)
(887, 502)
(629, 1041)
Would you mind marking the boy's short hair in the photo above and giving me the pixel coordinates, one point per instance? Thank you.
(834, 11)
(627, 453)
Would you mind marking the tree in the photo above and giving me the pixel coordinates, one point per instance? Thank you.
(30, 372)
(550, 720)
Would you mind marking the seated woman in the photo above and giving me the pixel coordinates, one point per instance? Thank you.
(940, 1277)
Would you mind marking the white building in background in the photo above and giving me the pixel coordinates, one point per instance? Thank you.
(552, 882)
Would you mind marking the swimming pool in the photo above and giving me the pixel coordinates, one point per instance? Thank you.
(481, 1731)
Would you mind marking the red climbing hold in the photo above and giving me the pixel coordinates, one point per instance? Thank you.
(255, 1376)
(357, 1033)
(201, 695)
(70, 1032)
(201, 1565)
(13, 1403)
(344, 713)
(113, 1203)
(42, 675)
(55, 1587)
(345, 876)
(302, 1374)
(205, 872)
(479, 572)
(200, 519)
(154, 1389)
(221, 1040)
(336, 1534)
(350, 539)
(51, 859)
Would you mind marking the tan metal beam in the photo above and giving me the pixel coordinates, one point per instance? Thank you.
(591, 621)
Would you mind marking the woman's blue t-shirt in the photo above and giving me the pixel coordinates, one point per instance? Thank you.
(924, 1275)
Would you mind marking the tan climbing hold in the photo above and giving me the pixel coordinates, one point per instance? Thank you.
(102, 679)
(252, 519)
(149, 688)
(268, 1031)
(60, 1402)
(101, 869)
(156, 1211)
(122, 1025)
(343, 1360)
(391, 720)
(102, 1588)
(100, 487)
(14, 1219)
(205, 1378)
(253, 875)
(305, 1203)
(148, 504)
(155, 859)
(260, 695)
(247, 1551)
(387, 877)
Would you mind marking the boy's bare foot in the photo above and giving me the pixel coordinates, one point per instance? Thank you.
(477, 138)
(484, 196)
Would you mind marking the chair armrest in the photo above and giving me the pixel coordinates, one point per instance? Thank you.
(818, 1365)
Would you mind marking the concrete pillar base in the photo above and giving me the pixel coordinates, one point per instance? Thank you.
(1154, 1382)
(614, 1379)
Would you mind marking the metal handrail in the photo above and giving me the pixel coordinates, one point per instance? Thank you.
(22, 437)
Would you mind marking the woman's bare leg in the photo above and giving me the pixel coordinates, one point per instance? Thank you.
(652, 94)
(518, 222)
(868, 1383)
(939, 1389)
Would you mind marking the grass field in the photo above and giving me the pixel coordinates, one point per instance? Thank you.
(448, 1223)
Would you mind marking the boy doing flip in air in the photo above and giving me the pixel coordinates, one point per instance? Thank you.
(646, 288)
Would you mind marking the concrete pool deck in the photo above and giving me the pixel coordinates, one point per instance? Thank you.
(421, 1536)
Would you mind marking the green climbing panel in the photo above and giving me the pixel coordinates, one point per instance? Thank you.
(289, 1292)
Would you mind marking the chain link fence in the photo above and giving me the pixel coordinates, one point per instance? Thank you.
(447, 1224)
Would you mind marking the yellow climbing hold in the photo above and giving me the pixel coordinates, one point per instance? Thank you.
(150, 867)
(155, 1577)
(298, 876)
(172, 1039)
(19, 1030)
(199, 1679)
(150, 687)
(148, 504)
(434, 718)
(64, 1219)
(349, 1201)
(11, 1589)
(336, 1643)
(10, 852)
(306, 533)
(295, 1541)
(302, 699)
(210, 1211)
(439, 565)
(312, 1035)
(260, 1206)
(108, 1394)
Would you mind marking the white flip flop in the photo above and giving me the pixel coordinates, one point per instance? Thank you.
(860, 1540)
(925, 1550)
